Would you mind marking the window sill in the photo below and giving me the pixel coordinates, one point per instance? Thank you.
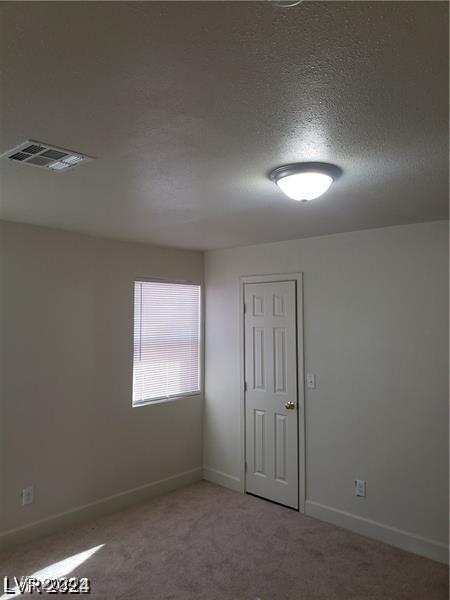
(165, 400)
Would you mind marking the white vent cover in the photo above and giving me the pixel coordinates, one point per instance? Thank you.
(44, 156)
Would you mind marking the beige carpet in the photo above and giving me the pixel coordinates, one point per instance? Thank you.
(206, 542)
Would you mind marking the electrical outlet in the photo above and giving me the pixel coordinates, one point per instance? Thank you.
(360, 487)
(27, 495)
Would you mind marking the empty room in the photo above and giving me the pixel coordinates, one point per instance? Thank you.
(224, 300)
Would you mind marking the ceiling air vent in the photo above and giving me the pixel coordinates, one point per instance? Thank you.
(44, 156)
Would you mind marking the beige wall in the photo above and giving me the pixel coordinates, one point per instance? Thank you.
(67, 423)
(376, 336)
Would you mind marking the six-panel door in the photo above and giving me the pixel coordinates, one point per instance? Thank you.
(271, 387)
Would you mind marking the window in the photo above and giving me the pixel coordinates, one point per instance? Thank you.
(166, 360)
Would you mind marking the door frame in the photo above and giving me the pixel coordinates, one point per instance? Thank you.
(298, 278)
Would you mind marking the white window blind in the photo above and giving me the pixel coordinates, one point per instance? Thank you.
(166, 340)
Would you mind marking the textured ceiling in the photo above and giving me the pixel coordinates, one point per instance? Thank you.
(188, 106)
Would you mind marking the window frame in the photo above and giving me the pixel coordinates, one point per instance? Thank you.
(165, 399)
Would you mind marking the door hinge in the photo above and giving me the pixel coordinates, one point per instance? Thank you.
(246, 466)
(245, 386)
(245, 308)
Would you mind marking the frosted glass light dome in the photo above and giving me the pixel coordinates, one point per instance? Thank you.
(305, 181)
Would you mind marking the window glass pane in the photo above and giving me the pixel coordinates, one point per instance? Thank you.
(166, 340)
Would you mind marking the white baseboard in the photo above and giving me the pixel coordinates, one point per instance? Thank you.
(97, 508)
(378, 531)
(223, 479)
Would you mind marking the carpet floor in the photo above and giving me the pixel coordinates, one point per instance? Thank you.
(204, 542)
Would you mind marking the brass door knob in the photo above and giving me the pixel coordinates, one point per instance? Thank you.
(289, 405)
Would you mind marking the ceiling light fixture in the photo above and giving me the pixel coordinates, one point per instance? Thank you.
(285, 3)
(305, 181)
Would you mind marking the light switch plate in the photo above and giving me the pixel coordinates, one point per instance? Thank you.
(311, 381)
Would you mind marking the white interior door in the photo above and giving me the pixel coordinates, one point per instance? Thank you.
(271, 411)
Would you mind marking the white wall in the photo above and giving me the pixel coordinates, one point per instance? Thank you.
(376, 336)
(67, 423)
